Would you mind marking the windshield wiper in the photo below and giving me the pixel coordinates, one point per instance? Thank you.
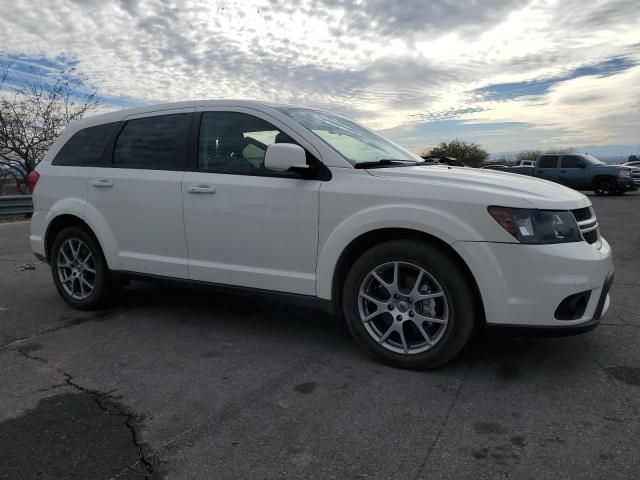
(386, 162)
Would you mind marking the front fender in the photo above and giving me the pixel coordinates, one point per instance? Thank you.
(399, 216)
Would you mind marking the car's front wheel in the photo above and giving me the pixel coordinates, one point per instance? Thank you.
(79, 270)
(409, 304)
(604, 186)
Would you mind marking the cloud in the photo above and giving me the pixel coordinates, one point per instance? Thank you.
(388, 64)
(414, 18)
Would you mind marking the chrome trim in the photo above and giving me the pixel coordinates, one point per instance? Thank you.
(590, 225)
(589, 229)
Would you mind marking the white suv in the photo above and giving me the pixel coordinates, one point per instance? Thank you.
(303, 202)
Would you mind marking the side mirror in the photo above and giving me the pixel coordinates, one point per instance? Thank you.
(282, 157)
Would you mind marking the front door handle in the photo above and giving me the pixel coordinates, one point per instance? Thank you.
(206, 189)
(102, 183)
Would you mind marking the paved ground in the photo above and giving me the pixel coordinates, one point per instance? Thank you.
(178, 383)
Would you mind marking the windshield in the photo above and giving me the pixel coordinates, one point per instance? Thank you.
(354, 142)
(593, 160)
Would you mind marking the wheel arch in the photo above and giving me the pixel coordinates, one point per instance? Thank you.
(367, 240)
(603, 177)
(59, 223)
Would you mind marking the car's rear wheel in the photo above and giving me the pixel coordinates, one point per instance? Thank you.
(79, 270)
(604, 186)
(408, 304)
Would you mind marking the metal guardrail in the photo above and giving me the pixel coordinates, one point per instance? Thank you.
(16, 205)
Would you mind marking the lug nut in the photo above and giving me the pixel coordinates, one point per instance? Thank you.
(396, 296)
(411, 314)
(399, 317)
(390, 307)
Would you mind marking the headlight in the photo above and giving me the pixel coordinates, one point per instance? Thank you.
(624, 173)
(537, 226)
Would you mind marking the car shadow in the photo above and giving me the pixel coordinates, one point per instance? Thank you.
(264, 316)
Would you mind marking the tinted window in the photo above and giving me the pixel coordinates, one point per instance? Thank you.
(547, 161)
(85, 147)
(572, 161)
(153, 142)
(234, 142)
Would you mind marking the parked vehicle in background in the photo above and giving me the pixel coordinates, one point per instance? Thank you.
(310, 205)
(14, 170)
(635, 174)
(635, 164)
(527, 163)
(582, 172)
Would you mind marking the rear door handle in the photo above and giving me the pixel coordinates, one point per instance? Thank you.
(102, 183)
(206, 189)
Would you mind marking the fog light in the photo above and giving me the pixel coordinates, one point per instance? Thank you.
(573, 307)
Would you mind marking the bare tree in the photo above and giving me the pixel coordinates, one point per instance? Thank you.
(561, 150)
(34, 110)
(470, 154)
(528, 155)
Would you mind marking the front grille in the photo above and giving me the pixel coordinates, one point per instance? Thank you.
(591, 237)
(582, 214)
(587, 223)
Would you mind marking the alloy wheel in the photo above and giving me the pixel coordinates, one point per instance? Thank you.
(76, 268)
(604, 187)
(403, 307)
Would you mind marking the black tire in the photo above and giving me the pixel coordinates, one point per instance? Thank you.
(604, 186)
(103, 285)
(454, 283)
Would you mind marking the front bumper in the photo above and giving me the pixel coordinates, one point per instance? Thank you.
(561, 330)
(523, 285)
(36, 238)
(628, 184)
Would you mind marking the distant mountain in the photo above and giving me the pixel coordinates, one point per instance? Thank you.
(606, 153)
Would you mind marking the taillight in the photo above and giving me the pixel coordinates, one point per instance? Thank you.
(32, 180)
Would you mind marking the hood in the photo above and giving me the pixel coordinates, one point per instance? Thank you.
(540, 193)
(608, 165)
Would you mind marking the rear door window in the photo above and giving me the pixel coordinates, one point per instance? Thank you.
(85, 147)
(572, 161)
(548, 161)
(154, 143)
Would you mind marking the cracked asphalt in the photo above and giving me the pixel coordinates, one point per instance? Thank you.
(183, 383)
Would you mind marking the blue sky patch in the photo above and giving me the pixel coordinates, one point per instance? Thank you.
(22, 64)
(507, 91)
(509, 134)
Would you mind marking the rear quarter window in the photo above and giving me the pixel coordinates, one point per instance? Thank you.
(85, 147)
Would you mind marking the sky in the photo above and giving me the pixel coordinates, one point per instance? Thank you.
(507, 74)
